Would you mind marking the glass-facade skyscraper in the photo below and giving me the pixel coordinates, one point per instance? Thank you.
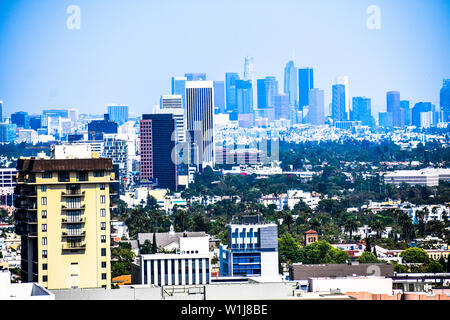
(404, 105)
(231, 98)
(362, 110)
(445, 100)
(179, 87)
(118, 113)
(219, 96)
(393, 106)
(20, 119)
(244, 96)
(316, 107)
(305, 83)
(291, 83)
(338, 103)
(267, 89)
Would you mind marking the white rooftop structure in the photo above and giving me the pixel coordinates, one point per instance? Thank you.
(21, 291)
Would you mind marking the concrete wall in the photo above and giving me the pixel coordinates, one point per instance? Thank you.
(376, 285)
(115, 294)
(247, 291)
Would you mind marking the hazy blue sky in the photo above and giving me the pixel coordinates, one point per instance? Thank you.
(127, 51)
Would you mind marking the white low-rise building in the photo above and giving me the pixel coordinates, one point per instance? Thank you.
(426, 177)
(22, 291)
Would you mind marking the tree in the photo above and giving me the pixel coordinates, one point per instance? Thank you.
(433, 267)
(415, 255)
(121, 261)
(154, 245)
(351, 225)
(443, 263)
(367, 257)
(288, 249)
(322, 252)
(146, 248)
(379, 227)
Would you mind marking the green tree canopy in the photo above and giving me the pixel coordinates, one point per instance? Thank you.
(414, 255)
(322, 252)
(368, 257)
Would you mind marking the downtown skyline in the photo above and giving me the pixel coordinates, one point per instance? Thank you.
(87, 70)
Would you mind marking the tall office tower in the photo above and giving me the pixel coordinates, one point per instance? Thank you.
(179, 87)
(171, 101)
(157, 141)
(97, 128)
(244, 96)
(117, 149)
(445, 100)
(63, 218)
(291, 83)
(20, 119)
(393, 105)
(282, 107)
(118, 113)
(267, 89)
(338, 103)
(231, 98)
(35, 122)
(7, 132)
(219, 97)
(249, 75)
(385, 119)
(200, 119)
(73, 114)
(362, 110)
(344, 81)
(316, 107)
(1, 111)
(63, 113)
(305, 83)
(195, 76)
(419, 108)
(404, 105)
(252, 249)
(173, 104)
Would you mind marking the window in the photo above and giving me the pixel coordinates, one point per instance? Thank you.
(63, 176)
(44, 214)
(102, 225)
(98, 174)
(102, 199)
(103, 276)
(44, 278)
(44, 266)
(103, 264)
(103, 239)
(82, 176)
(102, 212)
(44, 188)
(47, 175)
(44, 254)
(44, 241)
(44, 201)
(102, 186)
(103, 252)
(44, 227)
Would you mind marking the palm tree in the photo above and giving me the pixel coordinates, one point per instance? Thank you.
(350, 225)
(379, 227)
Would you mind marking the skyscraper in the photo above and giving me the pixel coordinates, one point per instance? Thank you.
(35, 122)
(157, 143)
(338, 103)
(281, 108)
(200, 119)
(305, 83)
(63, 113)
(316, 107)
(249, 75)
(97, 128)
(231, 98)
(171, 101)
(173, 104)
(267, 89)
(179, 87)
(393, 106)
(118, 113)
(344, 81)
(20, 119)
(404, 105)
(362, 110)
(1, 111)
(244, 96)
(219, 96)
(195, 76)
(445, 100)
(419, 108)
(291, 83)
(63, 218)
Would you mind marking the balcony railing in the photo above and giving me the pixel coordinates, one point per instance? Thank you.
(65, 208)
(81, 233)
(74, 219)
(74, 246)
(73, 193)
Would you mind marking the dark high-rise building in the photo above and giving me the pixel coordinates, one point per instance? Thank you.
(179, 87)
(157, 141)
(419, 108)
(219, 97)
(282, 106)
(316, 107)
(445, 100)
(97, 128)
(305, 83)
(231, 97)
(267, 90)
(393, 105)
(404, 105)
(20, 119)
(338, 104)
(35, 122)
(291, 83)
(118, 113)
(362, 110)
(195, 76)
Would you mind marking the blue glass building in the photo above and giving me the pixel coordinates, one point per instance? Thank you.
(362, 110)
(20, 119)
(338, 112)
(445, 100)
(179, 87)
(118, 113)
(219, 97)
(305, 83)
(231, 97)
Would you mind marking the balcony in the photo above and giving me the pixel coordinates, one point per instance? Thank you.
(73, 219)
(74, 246)
(81, 233)
(73, 193)
(65, 208)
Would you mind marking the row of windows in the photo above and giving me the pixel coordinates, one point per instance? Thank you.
(45, 278)
(103, 254)
(73, 213)
(64, 174)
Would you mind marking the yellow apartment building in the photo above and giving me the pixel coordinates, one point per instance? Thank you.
(63, 216)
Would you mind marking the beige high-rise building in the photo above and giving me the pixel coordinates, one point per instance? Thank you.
(63, 216)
